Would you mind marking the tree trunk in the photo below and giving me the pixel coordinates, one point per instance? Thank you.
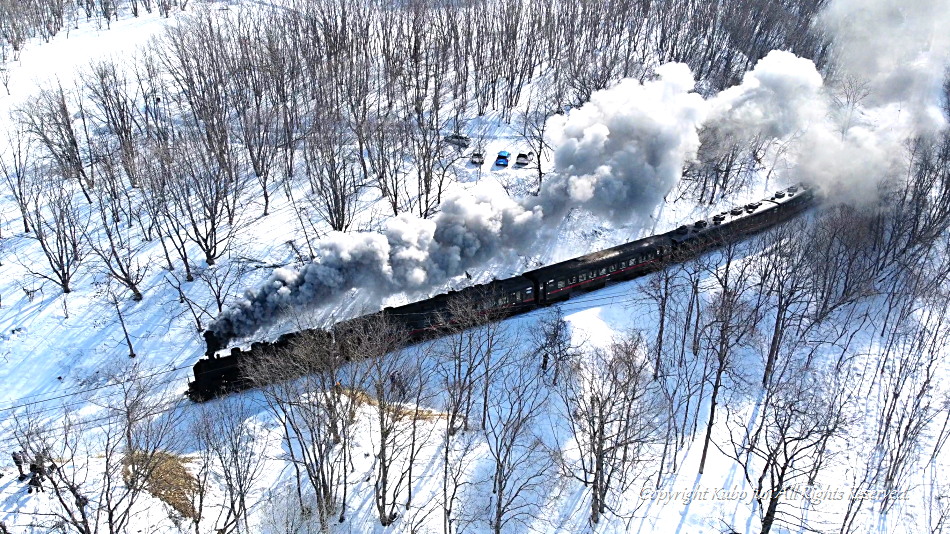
(712, 415)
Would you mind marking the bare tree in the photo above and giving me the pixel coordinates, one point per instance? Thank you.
(18, 171)
(545, 102)
(475, 345)
(386, 152)
(105, 464)
(257, 113)
(158, 192)
(457, 457)
(332, 172)
(50, 122)
(470, 355)
(138, 435)
(614, 415)
(113, 298)
(725, 164)
(784, 450)
(117, 110)
(678, 369)
(303, 388)
(731, 321)
(194, 55)
(118, 250)
(222, 281)
(840, 269)
(205, 202)
(780, 270)
(520, 463)
(552, 339)
(58, 227)
(397, 386)
(234, 457)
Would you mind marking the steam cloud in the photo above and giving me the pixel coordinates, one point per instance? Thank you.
(409, 253)
(620, 154)
(892, 57)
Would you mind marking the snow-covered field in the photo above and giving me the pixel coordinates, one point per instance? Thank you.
(65, 365)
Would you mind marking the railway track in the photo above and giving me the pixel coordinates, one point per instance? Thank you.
(220, 374)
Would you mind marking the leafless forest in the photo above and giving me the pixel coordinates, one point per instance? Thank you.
(818, 346)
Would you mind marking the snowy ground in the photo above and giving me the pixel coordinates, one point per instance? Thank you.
(55, 350)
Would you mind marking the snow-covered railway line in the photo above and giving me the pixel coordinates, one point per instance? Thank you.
(217, 375)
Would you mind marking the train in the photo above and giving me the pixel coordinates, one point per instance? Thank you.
(218, 374)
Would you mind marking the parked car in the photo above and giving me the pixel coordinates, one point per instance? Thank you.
(458, 140)
(477, 158)
(524, 159)
(502, 159)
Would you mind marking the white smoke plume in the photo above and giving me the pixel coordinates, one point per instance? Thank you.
(897, 49)
(891, 58)
(620, 154)
(782, 95)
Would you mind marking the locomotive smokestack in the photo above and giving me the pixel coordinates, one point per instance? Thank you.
(618, 155)
(214, 343)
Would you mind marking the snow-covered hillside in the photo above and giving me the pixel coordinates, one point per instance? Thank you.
(793, 382)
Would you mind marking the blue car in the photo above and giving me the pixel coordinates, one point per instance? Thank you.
(502, 159)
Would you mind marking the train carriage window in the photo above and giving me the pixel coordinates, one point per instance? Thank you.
(573, 280)
(560, 284)
(527, 291)
(603, 271)
(613, 268)
(583, 277)
(593, 274)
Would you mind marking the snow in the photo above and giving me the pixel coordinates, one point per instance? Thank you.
(56, 351)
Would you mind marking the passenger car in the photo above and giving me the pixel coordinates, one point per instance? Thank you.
(217, 375)
(477, 158)
(458, 140)
(502, 159)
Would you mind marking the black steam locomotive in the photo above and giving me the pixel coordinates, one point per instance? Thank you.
(217, 375)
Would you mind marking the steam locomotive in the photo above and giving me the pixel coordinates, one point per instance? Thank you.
(217, 375)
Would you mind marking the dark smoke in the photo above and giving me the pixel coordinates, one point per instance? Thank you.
(410, 253)
(620, 154)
